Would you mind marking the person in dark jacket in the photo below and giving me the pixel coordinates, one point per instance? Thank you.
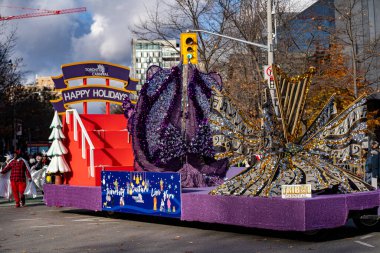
(19, 174)
(368, 172)
(374, 162)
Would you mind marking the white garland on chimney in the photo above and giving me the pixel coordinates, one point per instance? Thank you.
(57, 150)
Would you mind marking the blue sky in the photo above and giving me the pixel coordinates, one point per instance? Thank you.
(100, 33)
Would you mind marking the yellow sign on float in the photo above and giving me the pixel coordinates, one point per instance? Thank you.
(296, 191)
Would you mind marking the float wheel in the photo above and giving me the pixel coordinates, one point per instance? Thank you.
(367, 220)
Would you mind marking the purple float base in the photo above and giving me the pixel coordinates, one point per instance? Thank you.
(85, 197)
(319, 212)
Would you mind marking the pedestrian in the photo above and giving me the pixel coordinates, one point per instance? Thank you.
(41, 161)
(5, 182)
(368, 169)
(19, 174)
(38, 171)
(45, 159)
(374, 163)
(32, 160)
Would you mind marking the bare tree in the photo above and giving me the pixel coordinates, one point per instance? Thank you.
(353, 32)
(10, 82)
(182, 15)
(9, 72)
(240, 65)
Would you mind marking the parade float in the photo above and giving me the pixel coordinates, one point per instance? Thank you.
(170, 154)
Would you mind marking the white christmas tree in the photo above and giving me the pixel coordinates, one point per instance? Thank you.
(57, 149)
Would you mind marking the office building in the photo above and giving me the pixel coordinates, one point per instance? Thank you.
(165, 54)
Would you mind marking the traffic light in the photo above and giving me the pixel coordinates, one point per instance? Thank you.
(189, 48)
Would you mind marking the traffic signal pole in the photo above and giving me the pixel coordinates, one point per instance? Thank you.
(231, 38)
(185, 77)
(268, 47)
(189, 55)
(270, 33)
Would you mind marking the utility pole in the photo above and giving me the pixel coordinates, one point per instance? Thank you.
(268, 47)
(270, 33)
(270, 80)
(189, 55)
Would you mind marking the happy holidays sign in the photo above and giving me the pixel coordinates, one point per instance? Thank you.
(92, 93)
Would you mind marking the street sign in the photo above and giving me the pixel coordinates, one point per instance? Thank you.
(268, 73)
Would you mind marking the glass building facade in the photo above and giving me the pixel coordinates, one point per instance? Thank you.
(146, 53)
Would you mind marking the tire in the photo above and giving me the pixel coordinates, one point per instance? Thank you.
(367, 224)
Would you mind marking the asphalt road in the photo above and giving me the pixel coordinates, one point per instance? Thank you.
(37, 228)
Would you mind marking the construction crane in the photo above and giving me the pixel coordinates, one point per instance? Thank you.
(38, 12)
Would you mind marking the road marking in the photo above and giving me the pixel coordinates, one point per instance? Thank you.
(365, 244)
(27, 219)
(104, 220)
(88, 219)
(365, 237)
(111, 222)
(47, 226)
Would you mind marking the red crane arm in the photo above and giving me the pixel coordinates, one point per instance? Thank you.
(44, 13)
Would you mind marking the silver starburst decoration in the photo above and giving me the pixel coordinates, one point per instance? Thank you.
(290, 155)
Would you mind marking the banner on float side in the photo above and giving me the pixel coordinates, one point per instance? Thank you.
(148, 193)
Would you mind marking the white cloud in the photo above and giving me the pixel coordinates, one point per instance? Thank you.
(109, 38)
(99, 25)
(101, 33)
